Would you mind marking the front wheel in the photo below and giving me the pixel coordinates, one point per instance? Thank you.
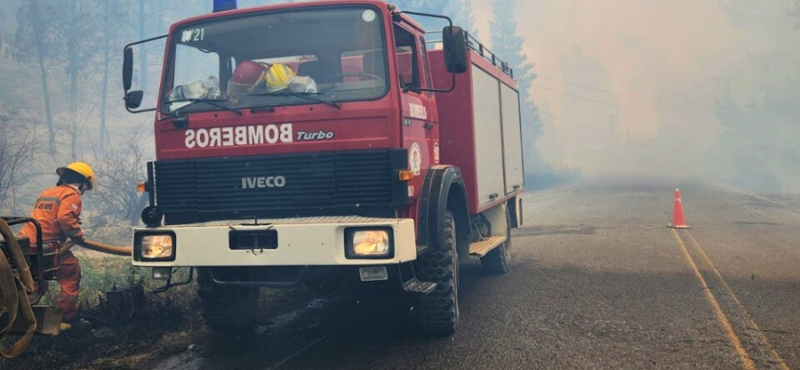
(226, 308)
(438, 311)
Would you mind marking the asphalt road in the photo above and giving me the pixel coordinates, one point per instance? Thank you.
(597, 282)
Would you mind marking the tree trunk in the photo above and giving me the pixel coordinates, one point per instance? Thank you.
(141, 203)
(143, 50)
(43, 72)
(72, 70)
(13, 199)
(104, 94)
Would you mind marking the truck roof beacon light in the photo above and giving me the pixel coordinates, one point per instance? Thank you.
(223, 5)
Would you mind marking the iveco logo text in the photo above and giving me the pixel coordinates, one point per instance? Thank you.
(239, 136)
(263, 182)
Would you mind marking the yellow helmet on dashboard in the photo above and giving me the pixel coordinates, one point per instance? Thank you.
(278, 77)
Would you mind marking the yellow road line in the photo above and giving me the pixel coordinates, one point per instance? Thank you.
(728, 289)
(723, 320)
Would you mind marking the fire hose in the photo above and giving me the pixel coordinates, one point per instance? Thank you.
(98, 247)
(14, 290)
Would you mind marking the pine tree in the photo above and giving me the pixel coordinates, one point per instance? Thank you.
(507, 45)
(461, 13)
(33, 40)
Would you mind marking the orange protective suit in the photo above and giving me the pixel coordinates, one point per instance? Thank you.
(58, 210)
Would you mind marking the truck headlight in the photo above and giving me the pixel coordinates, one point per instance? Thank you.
(155, 247)
(369, 242)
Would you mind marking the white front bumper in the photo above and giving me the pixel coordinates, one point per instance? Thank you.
(301, 242)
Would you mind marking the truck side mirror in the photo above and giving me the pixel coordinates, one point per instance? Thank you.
(133, 99)
(455, 49)
(127, 69)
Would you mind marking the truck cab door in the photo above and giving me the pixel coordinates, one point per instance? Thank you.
(419, 115)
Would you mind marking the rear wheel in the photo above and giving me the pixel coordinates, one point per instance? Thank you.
(226, 308)
(497, 261)
(438, 311)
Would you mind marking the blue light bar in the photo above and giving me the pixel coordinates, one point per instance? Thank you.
(223, 5)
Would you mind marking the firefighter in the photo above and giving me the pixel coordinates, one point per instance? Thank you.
(58, 210)
(253, 77)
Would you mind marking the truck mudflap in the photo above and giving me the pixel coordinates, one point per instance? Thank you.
(313, 241)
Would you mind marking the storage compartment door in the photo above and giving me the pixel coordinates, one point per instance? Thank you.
(488, 136)
(512, 138)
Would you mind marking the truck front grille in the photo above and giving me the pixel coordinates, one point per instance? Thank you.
(277, 185)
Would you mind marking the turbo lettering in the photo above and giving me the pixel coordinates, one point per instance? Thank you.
(238, 136)
(316, 135)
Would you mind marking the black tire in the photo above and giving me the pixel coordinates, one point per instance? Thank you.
(228, 309)
(497, 261)
(438, 311)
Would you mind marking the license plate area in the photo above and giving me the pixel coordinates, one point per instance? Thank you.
(376, 273)
(253, 239)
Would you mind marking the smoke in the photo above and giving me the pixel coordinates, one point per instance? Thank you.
(635, 87)
(686, 88)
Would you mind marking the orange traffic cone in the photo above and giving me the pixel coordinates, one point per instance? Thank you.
(678, 220)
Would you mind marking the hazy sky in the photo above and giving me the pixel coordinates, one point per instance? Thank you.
(667, 62)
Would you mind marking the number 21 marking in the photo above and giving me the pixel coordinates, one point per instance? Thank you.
(199, 34)
(194, 35)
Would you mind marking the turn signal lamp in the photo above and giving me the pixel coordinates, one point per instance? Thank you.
(223, 5)
(140, 187)
(406, 175)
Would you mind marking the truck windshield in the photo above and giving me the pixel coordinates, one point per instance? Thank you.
(335, 54)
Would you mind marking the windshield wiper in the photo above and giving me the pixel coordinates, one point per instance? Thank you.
(213, 102)
(307, 96)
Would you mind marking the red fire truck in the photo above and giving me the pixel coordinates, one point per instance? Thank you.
(397, 158)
